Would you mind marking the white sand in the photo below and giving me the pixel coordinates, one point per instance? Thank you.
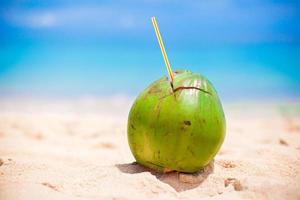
(77, 149)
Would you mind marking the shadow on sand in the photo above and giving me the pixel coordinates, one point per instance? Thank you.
(178, 180)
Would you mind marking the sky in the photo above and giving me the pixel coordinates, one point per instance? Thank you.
(247, 49)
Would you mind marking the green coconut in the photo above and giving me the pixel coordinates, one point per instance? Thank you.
(177, 127)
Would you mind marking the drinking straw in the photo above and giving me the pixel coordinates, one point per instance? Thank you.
(162, 48)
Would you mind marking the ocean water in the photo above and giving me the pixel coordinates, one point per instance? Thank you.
(244, 71)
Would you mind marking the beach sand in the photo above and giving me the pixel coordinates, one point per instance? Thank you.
(77, 149)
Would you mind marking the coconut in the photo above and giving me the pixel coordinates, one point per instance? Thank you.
(178, 126)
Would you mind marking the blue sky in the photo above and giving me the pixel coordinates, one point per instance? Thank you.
(248, 49)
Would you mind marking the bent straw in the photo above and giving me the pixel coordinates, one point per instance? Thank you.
(162, 48)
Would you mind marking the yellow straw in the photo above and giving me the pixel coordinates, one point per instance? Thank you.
(162, 48)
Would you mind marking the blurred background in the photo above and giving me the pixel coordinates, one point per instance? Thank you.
(249, 49)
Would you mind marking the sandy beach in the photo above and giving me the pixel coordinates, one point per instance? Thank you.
(77, 149)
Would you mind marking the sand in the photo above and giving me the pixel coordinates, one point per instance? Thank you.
(77, 149)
